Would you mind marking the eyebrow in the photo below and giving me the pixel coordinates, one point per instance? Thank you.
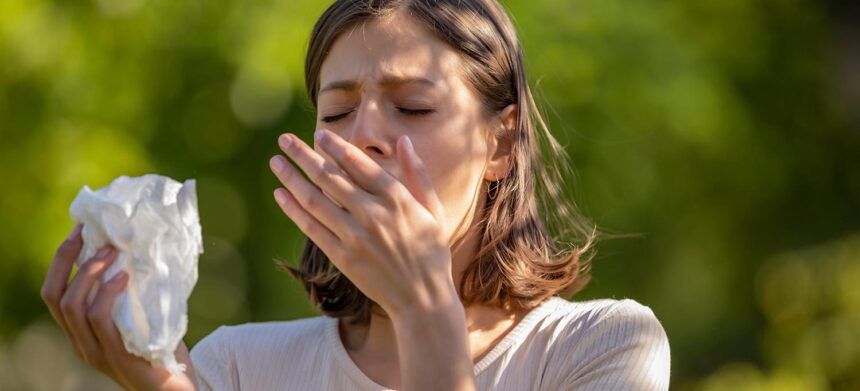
(387, 81)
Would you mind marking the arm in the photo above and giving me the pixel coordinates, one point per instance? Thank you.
(433, 347)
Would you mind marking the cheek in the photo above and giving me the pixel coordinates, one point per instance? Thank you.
(454, 157)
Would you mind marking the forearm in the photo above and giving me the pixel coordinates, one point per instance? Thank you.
(433, 348)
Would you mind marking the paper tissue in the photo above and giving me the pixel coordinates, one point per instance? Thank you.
(153, 223)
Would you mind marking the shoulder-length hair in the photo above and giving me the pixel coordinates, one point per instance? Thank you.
(523, 258)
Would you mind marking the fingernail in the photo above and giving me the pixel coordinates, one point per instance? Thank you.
(285, 140)
(279, 197)
(76, 230)
(319, 134)
(121, 276)
(277, 164)
(409, 145)
(104, 251)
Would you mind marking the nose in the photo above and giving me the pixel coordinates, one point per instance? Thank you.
(370, 131)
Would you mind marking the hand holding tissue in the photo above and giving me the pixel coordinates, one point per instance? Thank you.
(153, 223)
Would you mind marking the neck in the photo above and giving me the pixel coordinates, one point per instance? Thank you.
(486, 325)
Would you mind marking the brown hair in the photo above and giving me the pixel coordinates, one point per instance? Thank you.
(520, 263)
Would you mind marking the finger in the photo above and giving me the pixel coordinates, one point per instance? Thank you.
(311, 199)
(325, 174)
(329, 159)
(360, 167)
(417, 179)
(58, 276)
(316, 232)
(58, 273)
(99, 314)
(74, 306)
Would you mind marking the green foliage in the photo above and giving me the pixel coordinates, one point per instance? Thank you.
(708, 125)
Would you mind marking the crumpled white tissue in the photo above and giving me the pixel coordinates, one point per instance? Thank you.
(153, 223)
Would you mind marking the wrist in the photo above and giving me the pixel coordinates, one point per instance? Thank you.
(442, 310)
(434, 291)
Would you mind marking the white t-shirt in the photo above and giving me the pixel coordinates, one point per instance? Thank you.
(602, 344)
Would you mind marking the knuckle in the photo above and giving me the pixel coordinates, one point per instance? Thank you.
(286, 143)
(324, 142)
(307, 227)
(341, 255)
(395, 197)
(293, 148)
(93, 315)
(91, 265)
(351, 239)
(311, 202)
(330, 173)
(319, 173)
(351, 158)
(90, 270)
(48, 295)
(66, 246)
(95, 359)
(287, 175)
(66, 249)
(96, 266)
(105, 254)
(298, 145)
(374, 217)
(362, 242)
(66, 305)
(377, 230)
(104, 325)
(404, 202)
(398, 194)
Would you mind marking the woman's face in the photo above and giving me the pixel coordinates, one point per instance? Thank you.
(391, 77)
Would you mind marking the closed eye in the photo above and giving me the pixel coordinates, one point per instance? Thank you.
(333, 118)
(415, 112)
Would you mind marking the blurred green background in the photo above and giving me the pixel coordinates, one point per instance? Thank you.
(726, 131)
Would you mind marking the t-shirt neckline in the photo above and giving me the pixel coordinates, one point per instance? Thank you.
(522, 328)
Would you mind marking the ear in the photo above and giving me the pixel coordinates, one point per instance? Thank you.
(501, 144)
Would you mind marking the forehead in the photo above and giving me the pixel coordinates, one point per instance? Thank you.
(394, 46)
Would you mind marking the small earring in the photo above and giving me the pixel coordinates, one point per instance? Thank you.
(493, 190)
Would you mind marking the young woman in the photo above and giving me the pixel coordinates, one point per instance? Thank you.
(426, 250)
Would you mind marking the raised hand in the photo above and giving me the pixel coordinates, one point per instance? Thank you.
(89, 326)
(386, 235)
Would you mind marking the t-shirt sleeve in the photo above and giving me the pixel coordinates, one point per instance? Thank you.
(626, 350)
(213, 362)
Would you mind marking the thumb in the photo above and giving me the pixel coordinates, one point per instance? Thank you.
(417, 178)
